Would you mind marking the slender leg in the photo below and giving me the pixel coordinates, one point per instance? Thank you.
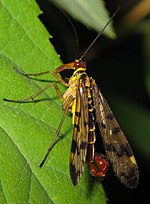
(57, 131)
(35, 95)
(55, 74)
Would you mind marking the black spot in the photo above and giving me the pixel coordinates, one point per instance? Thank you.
(78, 151)
(110, 148)
(131, 179)
(103, 125)
(120, 151)
(116, 130)
(77, 126)
(85, 123)
(126, 149)
(73, 174)
(78, 114)
(73, 147)
(83, 145)
(110, 116)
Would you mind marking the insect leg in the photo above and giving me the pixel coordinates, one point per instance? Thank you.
(38, 93)
(57, 131)
(55, 74)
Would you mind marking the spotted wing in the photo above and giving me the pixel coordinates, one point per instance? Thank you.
(117, 148)
(80, 134)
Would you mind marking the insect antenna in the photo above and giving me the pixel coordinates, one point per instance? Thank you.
(99, 34)
(73, 28)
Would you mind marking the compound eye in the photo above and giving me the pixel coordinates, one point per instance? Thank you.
(77, 64)
(80, 64)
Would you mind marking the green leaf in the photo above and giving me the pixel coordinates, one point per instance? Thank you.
(93, 14)
(27, 129)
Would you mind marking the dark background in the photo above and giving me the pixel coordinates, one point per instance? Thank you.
(125, 56)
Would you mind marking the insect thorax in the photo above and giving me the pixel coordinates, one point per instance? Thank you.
(73, 84)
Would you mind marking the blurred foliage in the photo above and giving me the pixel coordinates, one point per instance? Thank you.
(90, 13)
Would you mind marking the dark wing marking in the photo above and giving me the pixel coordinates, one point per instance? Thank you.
(80, 134)
(117, 148)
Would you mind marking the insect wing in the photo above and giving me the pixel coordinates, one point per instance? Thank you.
(117, 148)
(80, 134)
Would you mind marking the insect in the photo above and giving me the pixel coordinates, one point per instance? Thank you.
(88, 107)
